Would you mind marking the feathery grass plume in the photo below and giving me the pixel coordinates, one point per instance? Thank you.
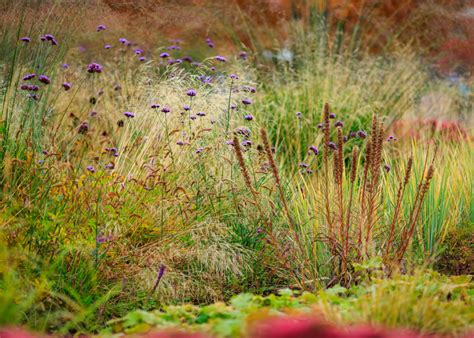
(276, 176)
(354, 162)
(376, 159)
(248, 182)
(400, 193)
(424, 186)
(326, 131)
(362, 201)
(338, 175)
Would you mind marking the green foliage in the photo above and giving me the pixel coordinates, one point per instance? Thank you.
(426, 301)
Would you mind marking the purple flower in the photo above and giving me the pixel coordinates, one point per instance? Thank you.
(173, 47)
(171, 61)
(187, 59)
(28, 87)
(213, 69)
(90, 169)
(298, 114)
(332, 145)
(141, 58)
(28, 76)
(199, 150)
(180, 143)
(101, 28)
(303, 165)
(123, 40)
(320, 126)
(229, 142)
(338, 124)
(117, 87)
(248, 117)
(138, 51)
(186, 107)
(193, 117)
(109, 166)
(164, 55)
(220, 58)
(391, 138)
(155, 106)
(233, 106)
(246, 143)
(233, 76)
(201, 113)
(345, 138)
(66, 86)
(387, 168)
(244, 131)
(83, 128)
(93, 113)
(247, 101)
(352, 134)
(129, 114)
(94, 68)
(44, 79)
(64, 66)
(314, 149)
(191, 92)
(107, 46)
(165, 110)
(243, 55)
(249, 89)
(332, 116)
(25, 39)
(362, 134)
(49, 37)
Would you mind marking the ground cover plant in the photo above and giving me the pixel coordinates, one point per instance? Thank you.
(213, 186)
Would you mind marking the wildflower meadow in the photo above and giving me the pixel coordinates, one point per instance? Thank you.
(292, 168)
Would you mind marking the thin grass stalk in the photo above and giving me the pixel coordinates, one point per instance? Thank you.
(355, 157)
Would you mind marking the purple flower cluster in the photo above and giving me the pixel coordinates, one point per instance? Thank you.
(44, 79)
(94, 68)
(49, 37)
(101, 28)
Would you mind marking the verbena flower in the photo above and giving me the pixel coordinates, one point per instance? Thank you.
(387, 168)
(66, 86)
(93, 113)
(246, 143)
(90, 169)
(129, 114)
(314, 150)
(142, 58)
(138, 51)
(109, 166)
(332, 145)
(244, 131)
(107, 46)
(123, 40)
(320, 126)
(193, 117)
(44, 79)
(191, 92)
(298, 114)
(243, 55)
(220, 58)
(28, 76)
(201, 113)
(391, 138)
(155, 106)
(83, 128)
(338, 124)
(180, 143)
(199, 150)
(186, 107)
(233, 76)
(361, 134)
(101, 28)
(249, 89)
(248, 117)
(164, 55)
(64, 66)
(25, 39)
(303, 165)
(94, 68)
(187, 58)
(174, 47)
(332, 115)
(352, 134)
(166, 110)
(247, 101)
